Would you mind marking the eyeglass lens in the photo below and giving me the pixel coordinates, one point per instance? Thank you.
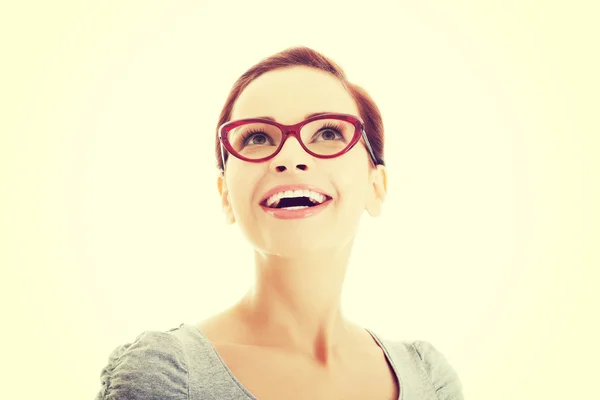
(322, 136)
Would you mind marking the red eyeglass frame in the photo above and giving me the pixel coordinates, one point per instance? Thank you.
(294, 130)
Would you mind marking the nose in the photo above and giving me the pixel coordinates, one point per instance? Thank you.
(291, 157)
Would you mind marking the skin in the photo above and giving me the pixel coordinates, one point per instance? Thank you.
(300, 264)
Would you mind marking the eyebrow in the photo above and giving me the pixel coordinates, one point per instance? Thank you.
(305, 117)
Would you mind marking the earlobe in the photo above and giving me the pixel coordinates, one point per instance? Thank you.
(379, 191)
(225, 200)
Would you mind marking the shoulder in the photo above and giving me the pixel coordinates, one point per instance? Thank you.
(422, 368)
(441, 374)
(153, 366)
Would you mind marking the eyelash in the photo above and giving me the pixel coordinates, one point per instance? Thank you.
(250, 133)
(335, 127)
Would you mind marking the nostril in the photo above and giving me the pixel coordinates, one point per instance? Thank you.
(281, 168)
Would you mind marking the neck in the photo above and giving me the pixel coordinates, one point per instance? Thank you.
(296, 302)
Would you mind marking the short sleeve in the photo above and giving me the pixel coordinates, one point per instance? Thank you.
(152, 367)
(445, 381)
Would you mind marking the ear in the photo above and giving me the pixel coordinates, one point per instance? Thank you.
(378, 186)
(225, 200)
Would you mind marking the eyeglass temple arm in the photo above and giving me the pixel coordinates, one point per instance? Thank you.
(371, 153)
(222, 155)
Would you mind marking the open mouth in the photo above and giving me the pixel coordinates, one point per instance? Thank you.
(295, 200)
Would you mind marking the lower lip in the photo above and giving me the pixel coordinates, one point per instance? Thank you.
(282, 213)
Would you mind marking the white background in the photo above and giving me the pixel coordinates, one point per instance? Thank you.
(487, 246)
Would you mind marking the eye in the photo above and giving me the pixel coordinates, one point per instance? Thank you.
(256, 137)
(330, 132)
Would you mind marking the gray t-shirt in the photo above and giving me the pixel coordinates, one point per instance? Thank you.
(182, 364)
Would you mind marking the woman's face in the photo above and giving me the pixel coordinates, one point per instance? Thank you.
(351, 181)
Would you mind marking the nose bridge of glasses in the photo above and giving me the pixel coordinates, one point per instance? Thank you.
(301, 131)
(294, 135)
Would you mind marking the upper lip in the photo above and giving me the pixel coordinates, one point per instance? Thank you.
(283, 188)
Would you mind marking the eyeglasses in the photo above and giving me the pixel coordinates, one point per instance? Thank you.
(323, 136)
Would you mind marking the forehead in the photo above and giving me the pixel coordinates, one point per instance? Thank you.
(288, 94)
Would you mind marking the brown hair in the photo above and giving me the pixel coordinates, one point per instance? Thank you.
(305, 56)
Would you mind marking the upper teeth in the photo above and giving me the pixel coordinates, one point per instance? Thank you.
(315, 197)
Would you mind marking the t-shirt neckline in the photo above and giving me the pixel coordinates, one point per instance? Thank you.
(223, 365)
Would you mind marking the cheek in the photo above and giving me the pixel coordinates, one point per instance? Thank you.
(352, 186)
(241, 183)
(352, 176)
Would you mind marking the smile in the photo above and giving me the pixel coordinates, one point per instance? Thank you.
(294, 199)
(296, 211)
(294, 202)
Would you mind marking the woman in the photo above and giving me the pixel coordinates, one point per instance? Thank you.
(300, 150)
